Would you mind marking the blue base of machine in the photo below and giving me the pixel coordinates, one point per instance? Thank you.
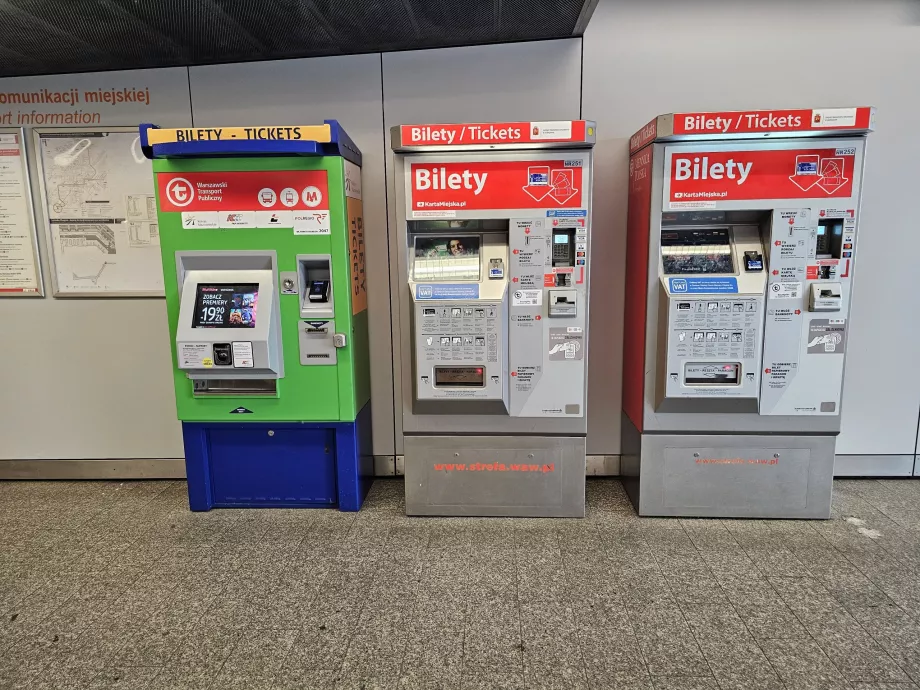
(283, 465)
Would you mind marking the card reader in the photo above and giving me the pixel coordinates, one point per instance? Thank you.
(319, 291)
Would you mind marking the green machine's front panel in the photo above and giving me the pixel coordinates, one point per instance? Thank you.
(334, 392)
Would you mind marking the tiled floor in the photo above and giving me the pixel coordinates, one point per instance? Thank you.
(117, 585)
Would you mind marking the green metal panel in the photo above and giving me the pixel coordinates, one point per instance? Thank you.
(305, 393)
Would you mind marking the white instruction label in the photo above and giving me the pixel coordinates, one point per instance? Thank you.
(312, 223)
(242, 355)
(200, 220)
(195, 355)
(434, 214)
(785, 290)
(834, 117)
(527, 298)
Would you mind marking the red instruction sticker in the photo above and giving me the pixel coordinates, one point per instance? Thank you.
(476, 185)
(773, 174)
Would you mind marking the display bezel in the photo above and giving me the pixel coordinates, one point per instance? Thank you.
(733, 366)
(477, 377)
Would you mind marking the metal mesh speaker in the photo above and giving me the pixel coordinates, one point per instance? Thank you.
(55, 36)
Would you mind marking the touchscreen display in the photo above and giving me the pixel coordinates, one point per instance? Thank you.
(226, 305)
(446, 258)
(683, 264)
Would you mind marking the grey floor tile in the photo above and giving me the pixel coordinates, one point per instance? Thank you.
(497, 679)
(798, 658)
(138, 678)
(741, 682)
(125, 574)
(685, 683)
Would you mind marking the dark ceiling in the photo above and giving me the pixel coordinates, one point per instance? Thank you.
(54, 36)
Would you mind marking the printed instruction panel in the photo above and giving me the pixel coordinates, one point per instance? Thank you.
(100, 208)
(19, 272)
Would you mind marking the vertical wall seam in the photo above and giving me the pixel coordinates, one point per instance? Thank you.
(386, 206)
(191, 107)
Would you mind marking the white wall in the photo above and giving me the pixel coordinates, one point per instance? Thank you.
(90, 378)
(644, 59)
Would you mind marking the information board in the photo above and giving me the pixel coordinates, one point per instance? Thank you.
(20, 274)
(100, 214)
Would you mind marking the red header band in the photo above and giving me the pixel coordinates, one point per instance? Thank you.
(492, 133)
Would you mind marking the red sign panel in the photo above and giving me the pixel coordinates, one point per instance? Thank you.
(643, 136)
(480, 185)
(737, 175)
(757, 121)
(243, 191)
(473, 134)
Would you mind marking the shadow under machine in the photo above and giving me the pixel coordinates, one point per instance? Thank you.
(491, 245)
(262, 242)
(742, 232)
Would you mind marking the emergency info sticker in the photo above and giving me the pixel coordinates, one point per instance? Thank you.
(527, 298)
(195, 355)
(785, 290)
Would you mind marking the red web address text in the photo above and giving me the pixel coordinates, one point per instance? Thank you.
(494, 467)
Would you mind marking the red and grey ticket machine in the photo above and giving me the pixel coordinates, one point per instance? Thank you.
(492, 249)
(741, 254)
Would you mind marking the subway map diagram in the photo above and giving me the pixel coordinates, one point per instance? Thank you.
(100, 210)
(77, 180)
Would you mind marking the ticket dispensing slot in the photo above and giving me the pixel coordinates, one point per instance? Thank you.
(227, 336)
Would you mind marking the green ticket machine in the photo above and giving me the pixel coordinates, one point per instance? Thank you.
(262, 238)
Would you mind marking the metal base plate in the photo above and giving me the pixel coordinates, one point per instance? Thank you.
(508, 476)
(733, 476)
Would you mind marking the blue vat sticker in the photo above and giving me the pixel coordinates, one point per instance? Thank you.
(703, 285)
(447, 291)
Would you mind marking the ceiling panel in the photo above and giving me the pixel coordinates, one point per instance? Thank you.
(55, 36)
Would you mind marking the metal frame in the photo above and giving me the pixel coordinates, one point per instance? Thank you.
(406, 420)
(30, 207)
(655, 421)
(37, 133)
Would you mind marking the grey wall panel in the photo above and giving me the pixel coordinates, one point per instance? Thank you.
(305, 92)
(91, 378)
(644, 59)
(516, 82)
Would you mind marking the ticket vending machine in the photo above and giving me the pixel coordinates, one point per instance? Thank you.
(491, 249)
(742, 234)
(262, 241)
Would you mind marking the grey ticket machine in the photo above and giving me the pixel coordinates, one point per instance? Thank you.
(492, 247)
(741, 253)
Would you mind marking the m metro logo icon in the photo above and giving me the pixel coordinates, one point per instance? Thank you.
(180, 191)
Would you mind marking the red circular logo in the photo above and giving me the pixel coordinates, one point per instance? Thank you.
(180, 192)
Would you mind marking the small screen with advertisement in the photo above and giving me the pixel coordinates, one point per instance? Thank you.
(446, 258)
(226, 305)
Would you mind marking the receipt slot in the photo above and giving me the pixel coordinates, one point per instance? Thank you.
(491, 246)
(262, 241)
(741, 252)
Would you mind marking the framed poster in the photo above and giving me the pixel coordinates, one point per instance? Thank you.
(20, 270)
(99, 210)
